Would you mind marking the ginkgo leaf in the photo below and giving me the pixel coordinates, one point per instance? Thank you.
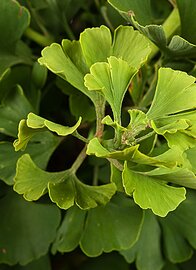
(170, 126)
(14, 107)
(187, 10)
(150, 236)
(169, 158)
(31, 181)
(56, 60)
(128, 45)
(68, 239)
(103, 223)
(34, 121)
(64, 187)
(175, 92)
(15, 20)
(181, 139)
(28, 229)
(191, 154)
(131, 46)
(177, 175)
(179, 129)
(149, 192)
(116, 177)
(138, 122)
(34, 124)
(142, 9)
(73, 60)
(96, 44)
(71, 191)
(40, 148)
(178, 246)
(97, 230)
(112, 79)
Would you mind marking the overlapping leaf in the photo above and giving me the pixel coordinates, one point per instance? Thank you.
(112, 79)
(35, 124)
(187, 11)
(149, 192)
(73, 60)
(178, 47)
(191, 154)
(28, 229)
(169, 158)
(175, 92)
(175, 95)
(147, 247)
(144, 10)
(179, 246)
(98, 231)
(182, 176)
(64, 187)
(14, 107)
(11, 28)
(127, 135)
(40, 148)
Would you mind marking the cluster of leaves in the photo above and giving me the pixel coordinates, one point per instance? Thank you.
(100, 132)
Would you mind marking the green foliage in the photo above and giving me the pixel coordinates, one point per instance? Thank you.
(100, 131)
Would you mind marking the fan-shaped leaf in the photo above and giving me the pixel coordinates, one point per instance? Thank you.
(149, 192)
(64, 187)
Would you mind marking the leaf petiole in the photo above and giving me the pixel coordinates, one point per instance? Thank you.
(145, 137)
(80, 137)
(38, 38)
(79, 160)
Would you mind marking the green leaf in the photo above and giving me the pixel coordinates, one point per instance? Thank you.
(73, 60)
(191, 153)
(35, 124)
(169, 158)
(175, 92)
(112, 79)
(179, 129)
(13, 23)
(149, 192)
(96, 44)
(59, 61)
(98, 231)
(127, 136)
(180, 48)
(138, 121)
(14, 107)
(30, 180)
(103, 223)
(116, 177)
(34, 121)
(40, 148)
(71, 191)
(150, 236)
(96, 148)
(130, 46)
(27, 229)
(68, 239)
(64, 187)
(145, 12)
(142, 9)
(187, 11)
(178, 245)
(180, 139)
(177, 175)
